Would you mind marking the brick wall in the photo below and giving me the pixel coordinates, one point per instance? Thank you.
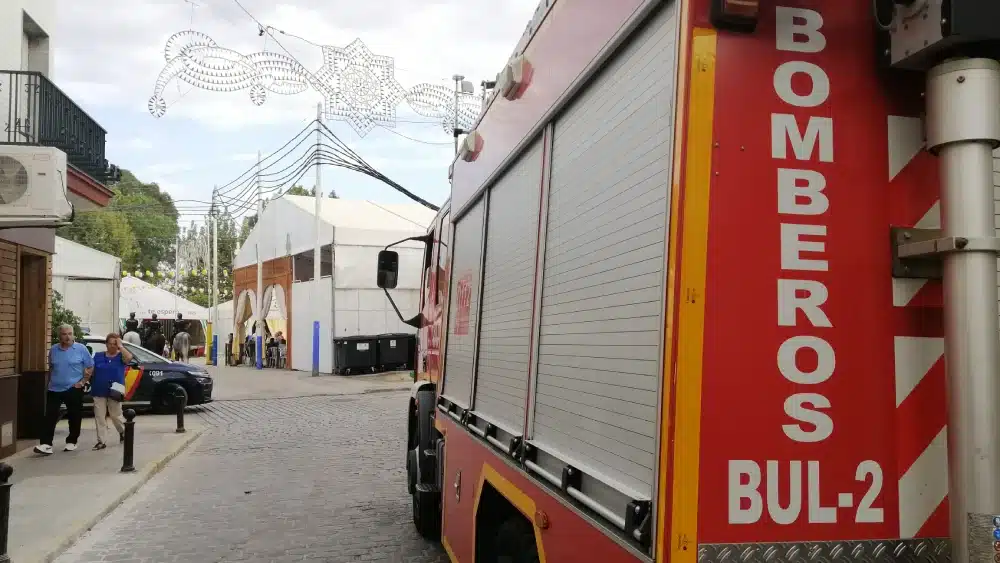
(8, 308)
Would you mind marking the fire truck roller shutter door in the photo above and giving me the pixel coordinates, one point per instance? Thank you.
(463, 311)
(596, 403)
(509, 273)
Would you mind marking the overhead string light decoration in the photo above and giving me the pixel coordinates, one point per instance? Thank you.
(357, 86)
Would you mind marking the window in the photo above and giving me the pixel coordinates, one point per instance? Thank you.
(444, 250)
(143, 355)
(302, 264)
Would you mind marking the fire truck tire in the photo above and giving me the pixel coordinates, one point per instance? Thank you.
(427, 512)
(514, 542)
(426, 436)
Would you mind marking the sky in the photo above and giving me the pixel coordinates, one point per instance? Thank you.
(109, 54)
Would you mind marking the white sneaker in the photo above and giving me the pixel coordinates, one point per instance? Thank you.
(43, 449)
(69, 447)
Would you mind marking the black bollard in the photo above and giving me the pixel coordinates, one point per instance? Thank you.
(5, 472)
(128, 463)
(180, 398)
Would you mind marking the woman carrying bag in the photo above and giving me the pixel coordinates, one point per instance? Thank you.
(107, 388)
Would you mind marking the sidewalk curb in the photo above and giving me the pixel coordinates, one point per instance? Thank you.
(145, 474)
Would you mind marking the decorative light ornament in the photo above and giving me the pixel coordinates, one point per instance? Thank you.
(138, 274)
(357, 85)
(438, 102)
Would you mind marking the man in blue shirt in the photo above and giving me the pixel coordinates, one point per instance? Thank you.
(70, 367)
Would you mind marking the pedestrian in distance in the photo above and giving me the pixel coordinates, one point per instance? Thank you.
(108, 388)
(70, 366)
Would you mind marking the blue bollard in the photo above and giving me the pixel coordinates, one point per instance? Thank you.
(259, 350)
(315, 370)
(215, 349)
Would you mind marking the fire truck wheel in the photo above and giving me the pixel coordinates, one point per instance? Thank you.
(426, 436)
(427, 512)
(513, 542)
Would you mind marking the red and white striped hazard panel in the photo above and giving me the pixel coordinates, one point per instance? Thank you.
(921, 416)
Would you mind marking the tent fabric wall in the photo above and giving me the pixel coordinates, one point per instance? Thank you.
(72, 259)
(308, 298)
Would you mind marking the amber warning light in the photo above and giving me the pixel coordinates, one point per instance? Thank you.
(735, 15)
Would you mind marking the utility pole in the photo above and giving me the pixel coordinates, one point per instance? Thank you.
(317, 222)
(259, 333)
(458, 78)
(177, 267)
(215, 278)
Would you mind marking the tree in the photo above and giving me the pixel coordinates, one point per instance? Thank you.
(139, 225)
(61, 315)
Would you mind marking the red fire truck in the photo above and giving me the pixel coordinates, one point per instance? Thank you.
(693, 295)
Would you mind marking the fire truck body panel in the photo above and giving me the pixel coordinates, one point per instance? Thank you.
(670, 324)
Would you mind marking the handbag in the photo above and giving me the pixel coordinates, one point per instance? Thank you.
(117, 392)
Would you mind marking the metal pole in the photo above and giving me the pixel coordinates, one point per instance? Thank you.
(5, 473)
(317, 222)
(458, 87)
(128, 447)
(177, 268)
(963, 128)
(215, 286)
(259, 333)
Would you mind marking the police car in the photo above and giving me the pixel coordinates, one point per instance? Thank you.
(152, 380)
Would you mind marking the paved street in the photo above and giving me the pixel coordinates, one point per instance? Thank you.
(233, 383)
(309, 478)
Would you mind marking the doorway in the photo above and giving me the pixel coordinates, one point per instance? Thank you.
(32, 342)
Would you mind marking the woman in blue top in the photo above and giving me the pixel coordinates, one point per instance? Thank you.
(109, 368)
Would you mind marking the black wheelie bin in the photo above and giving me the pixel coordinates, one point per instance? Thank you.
(395, 351)
(354, 355)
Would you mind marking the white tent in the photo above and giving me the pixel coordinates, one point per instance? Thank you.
(145, 299)
(88, 281)
(352, 233)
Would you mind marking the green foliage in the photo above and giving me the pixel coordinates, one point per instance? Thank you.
(61, 315)
(139, 225)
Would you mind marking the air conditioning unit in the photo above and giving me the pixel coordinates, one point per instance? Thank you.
(33, 187)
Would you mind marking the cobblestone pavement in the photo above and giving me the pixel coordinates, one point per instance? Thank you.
(301, 479)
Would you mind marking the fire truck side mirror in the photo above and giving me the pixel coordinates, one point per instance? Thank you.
(388, 269)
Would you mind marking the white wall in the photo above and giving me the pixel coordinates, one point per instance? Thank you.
(13, 40)
(368, 312)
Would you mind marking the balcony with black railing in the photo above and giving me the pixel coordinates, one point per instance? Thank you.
(34, 111)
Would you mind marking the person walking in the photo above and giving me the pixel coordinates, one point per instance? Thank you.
(70, 367)
(108, 388)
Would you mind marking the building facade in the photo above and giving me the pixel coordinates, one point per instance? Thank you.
(35, 112)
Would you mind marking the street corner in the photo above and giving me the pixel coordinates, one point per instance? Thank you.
(57, 498)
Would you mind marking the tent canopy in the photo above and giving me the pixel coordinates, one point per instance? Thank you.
(287, 226)
(75, 260)
(144, 299)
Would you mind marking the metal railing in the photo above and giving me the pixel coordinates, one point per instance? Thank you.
(34, 111)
